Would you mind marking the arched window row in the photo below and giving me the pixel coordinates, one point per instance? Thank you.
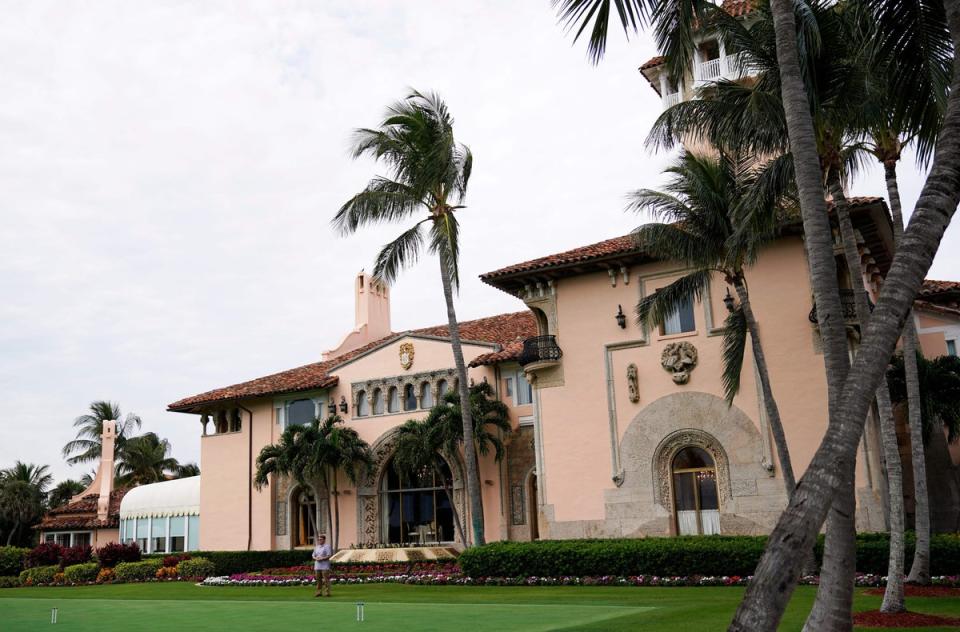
(401, 394)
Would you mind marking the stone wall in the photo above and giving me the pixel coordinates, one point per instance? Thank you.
(520, 463)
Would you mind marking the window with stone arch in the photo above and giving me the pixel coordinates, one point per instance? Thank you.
(696, 498)
(363, 407)
(426, 395)
(442, 388)
(409, 397)
(377, 401)
(393, 400)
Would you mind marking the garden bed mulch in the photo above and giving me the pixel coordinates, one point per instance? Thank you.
(911, 590)
(877, 619)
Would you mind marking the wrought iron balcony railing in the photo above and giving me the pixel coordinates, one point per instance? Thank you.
(540, 349)
(848, 302)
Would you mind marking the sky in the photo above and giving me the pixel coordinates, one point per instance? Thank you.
(169, 170)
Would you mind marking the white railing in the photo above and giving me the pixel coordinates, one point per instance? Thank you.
(727, 67)
(708, 70)
(669, 100)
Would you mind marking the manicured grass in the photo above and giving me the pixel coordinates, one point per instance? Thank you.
(183, 606)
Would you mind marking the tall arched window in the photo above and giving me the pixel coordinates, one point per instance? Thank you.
(695, 496)
(426, 395)
(393, 400)
(377, 401)
(304, 515)
(415, 508)
(442, 387)
(409, 397)
(363, 408)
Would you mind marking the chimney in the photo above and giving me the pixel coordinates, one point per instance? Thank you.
(108, 440)
(371, 315)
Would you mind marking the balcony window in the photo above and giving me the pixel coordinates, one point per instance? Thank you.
(681, 320)
(377, 402)
(952, 347)
(409, 397)
(393, 400)
(363, 407)
(426, 395)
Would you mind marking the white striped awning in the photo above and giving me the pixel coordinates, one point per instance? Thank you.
(179, 497)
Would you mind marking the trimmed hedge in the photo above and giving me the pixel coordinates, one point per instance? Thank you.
(680, 556)
(196, 568)
(39, 575)
(9, 581)
(12, 560)
(233, 562)
(137, 571)
(81, 573)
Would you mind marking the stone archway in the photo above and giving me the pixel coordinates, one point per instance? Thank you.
(368, 505)
(668, 449)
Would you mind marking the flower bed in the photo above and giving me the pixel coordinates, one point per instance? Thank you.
(458, 579)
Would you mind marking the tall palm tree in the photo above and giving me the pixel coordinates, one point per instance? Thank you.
(146, 459)
(63, 492)
(86, 447)
(429, 172)
(707, 207)
(849, 399)
(420, 448)
(340, 448)
(38, 476)
(21, 505)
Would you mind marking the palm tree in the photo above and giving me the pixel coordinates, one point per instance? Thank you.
(429, 176)
(292, 456)
(86, 447)
(87, 479)
(146, 459)
(340, 448)
(38, 476)
(708, 204)
(420, 448)
(21, 505)
(63, 492)
(940, 389)
(186, 470)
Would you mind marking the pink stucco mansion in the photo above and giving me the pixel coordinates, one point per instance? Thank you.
(607, 441)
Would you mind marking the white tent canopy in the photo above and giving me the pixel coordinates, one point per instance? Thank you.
(179, 497)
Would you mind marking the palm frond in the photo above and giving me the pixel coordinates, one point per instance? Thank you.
(399, 254)
(654, 309)
(732, 351)
(445, 242)
(382, 201)
(580, 16)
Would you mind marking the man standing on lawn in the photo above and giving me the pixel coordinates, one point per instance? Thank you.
(321, 564)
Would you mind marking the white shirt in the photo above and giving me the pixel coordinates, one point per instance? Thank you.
(322, 550)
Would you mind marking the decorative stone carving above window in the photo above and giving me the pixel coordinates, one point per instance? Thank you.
(679, 359)
(417, 380)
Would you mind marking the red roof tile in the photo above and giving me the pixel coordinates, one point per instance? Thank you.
(499, 330)
(737, 8)
(653, 62)
(931, 287)
(82, 514)
(510, 352)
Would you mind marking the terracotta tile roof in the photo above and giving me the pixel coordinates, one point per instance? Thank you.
(737, 8)
(936, 308)
(653, 62)
(509, 352)
(82, 514)
(932, 287)
(499, 330)
(623, 245)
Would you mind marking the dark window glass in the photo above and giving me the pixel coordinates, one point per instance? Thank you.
(690, 458)
(683, 489)
(301, 411)
(177, 543)
(409, 397)
(707, 483)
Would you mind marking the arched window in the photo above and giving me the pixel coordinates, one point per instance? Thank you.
(304, 514)
(415, 506)
(695, 496)
(409, 397)
(377, 401)
(426, 395)
(442, 389)
(393, 400)
(363, 408)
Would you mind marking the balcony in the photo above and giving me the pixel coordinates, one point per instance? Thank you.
(670, 100)
(848, 303)
(540, 352)
(725, 67)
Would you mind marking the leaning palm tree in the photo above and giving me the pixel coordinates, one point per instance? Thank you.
(146, 459)
(86, 447)
(709, 207)
(421, 448)
(339, 448)
(430, 171)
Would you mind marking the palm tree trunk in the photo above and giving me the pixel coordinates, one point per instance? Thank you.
(770, 405)
(312, 514)
(336, 514)
(13, 532)
(473, 474)
(776, 575)
(456, 516)
(920, 569)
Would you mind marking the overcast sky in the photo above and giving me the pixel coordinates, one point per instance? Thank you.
(168, 171)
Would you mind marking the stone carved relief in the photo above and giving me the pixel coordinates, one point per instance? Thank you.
(633, 388)
(679, 359)
(406, 355)
(281, 517)
(368, 491)
(663, 462)
(518, 511)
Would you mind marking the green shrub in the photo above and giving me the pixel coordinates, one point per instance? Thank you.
(709, 555)
(233, 562)
(9, 581)
(196, 568)
(39, 575)
(137, 571)
(81, 573)
(11, 560)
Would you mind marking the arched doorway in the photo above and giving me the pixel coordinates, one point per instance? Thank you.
(302, 503)
(416, 510)
(695, 498)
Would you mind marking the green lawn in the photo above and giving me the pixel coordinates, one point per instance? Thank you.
(182, 606)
